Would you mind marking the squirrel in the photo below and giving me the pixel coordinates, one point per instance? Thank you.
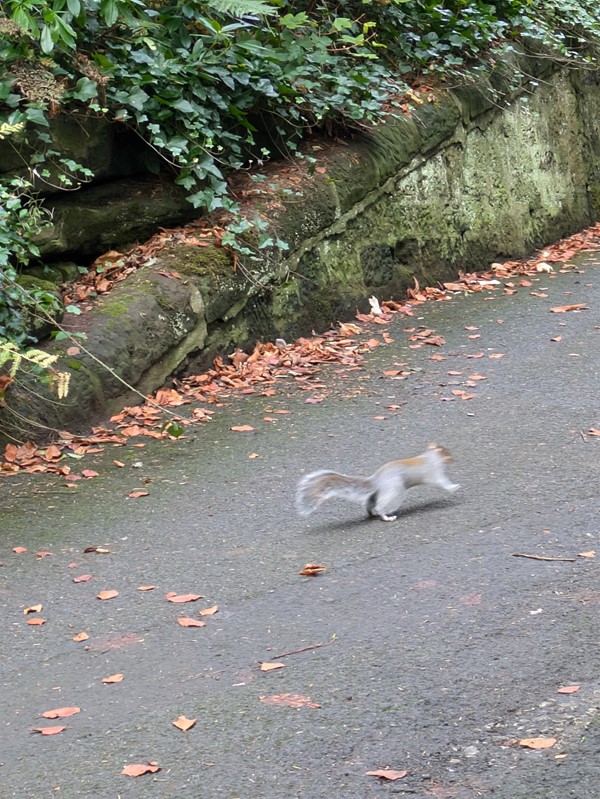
(383, 491)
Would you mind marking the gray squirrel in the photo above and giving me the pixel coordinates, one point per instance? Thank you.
(382, 492)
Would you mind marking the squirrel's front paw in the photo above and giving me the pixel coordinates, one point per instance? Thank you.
(453, 487)
(385, 518)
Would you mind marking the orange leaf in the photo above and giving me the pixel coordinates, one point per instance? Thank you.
(137, 494)
(185, 621)
(173, 597)
(387, 774)
(83, 578)
(110, 594)
(113, 679)
(61, 712)
(80, 637)
(89, 473)
(35, 622)
(209, 611)
(19, 550)
(43, 554)
(184, 724)
(578, 306)
(310, 569)
(137, 769)
(537, 743)
(589, 554)
(146, 587)
(568, 689)
(289, 700)
(271, 666)
(33, 609)
(593, 432)
(242, 428)
(49, 730)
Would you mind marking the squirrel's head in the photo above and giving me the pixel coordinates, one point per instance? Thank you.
(444, 454)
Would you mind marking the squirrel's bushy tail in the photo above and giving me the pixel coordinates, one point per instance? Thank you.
(315, 488)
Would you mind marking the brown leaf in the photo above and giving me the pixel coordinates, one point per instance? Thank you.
(387, 774)
(83, 578)
(97, 550)
(593, 432)
(179, 598)
(242, 428)
(61, 712)
(208, 611)
(33, 609)
(109, 594)
(578, 306)
(19, 550)
(185, 621)
(146, 587)
(80, 637)
(289, 700)
(137, 769)
(137, 494)
(568, 689)
(310, 569)
(35, 622)
(591, 553)
(265, 666)
(537, 743)
(184, 724)
(114, 678)
(49, 730)
(43, 554)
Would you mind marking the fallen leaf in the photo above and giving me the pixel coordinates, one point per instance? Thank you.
(184, 724)
(146, 587)
(185, 621)
(137, 494)
(208, 611)
(265, 666)
(589, 554)
(537, 743)
(49, 730)
(97, 550)
(35, 622)
(310, 569)
(83, 578)
(61, 712)
(578, 306)
(120, 464)
(387, 774)
(242, 428)
(109, 594)
(114, 678)
(568, 689)
(289, 700)
(179, 598)
(80, 637)
(19, 550)
(43, 554)
(137, 769)
(496, 355)
(593, 432)
(88, 473)
(556, 338)
(33, 609)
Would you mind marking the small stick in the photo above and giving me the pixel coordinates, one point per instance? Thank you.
(304, 649)
(540, 557)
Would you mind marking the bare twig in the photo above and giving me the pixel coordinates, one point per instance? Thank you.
(540, 557)
(304, 649)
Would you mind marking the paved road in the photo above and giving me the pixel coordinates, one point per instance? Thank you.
(439, 649)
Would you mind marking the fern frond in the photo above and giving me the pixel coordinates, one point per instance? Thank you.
(242, 8)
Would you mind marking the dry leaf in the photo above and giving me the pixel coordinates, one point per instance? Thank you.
(265, 666)
(568, 689)
(33, 609)
(589, 554)
(180, 598)
(97, 550)
(89, 473)
(80, 637)
(35, 622)
(137, 769)
(537, 743)
(184, 724)
(578, 306)
(49, 730)
(44, 554)
(146, 587)
(114, 678)
(593, 432)
(208, 611)
(289, 700)
(310, 569)
(83, 578)
(109, 594)
(185, 621)
(19, 550)
(387, 774)
(61, 712)
(242, 428)
(137, 494)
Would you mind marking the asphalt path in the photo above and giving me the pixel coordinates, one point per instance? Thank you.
(425, 646)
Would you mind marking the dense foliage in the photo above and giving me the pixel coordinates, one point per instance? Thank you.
(214, 85)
